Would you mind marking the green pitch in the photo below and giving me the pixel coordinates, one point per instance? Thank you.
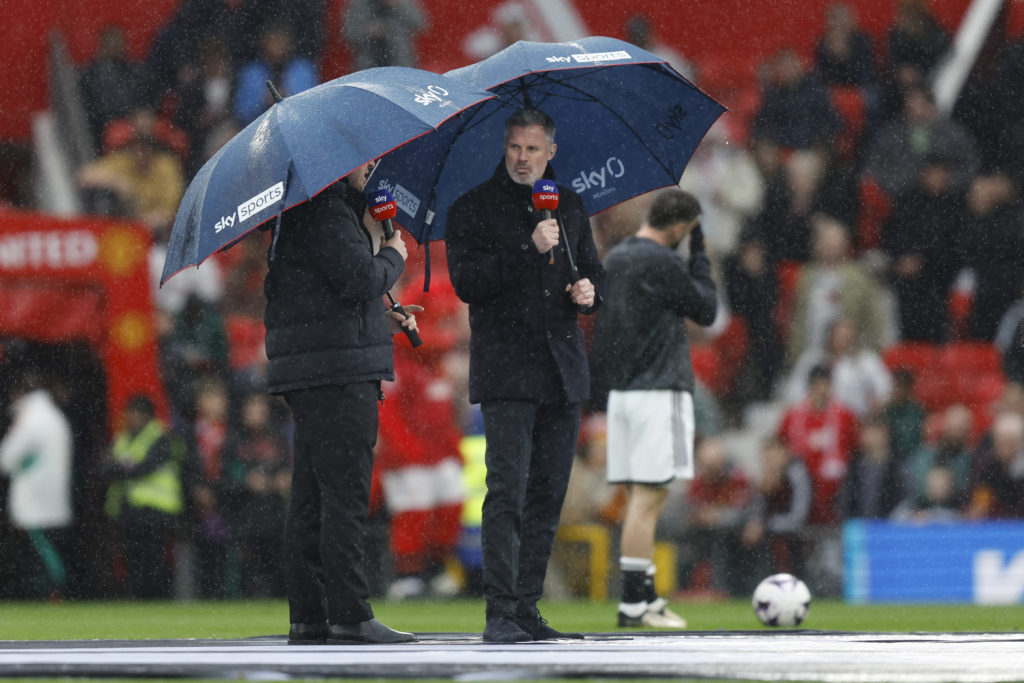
(157, 620)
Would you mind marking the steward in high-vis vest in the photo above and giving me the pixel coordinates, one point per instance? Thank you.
(145, 496)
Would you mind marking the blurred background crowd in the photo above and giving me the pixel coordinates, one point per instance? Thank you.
(867, 236)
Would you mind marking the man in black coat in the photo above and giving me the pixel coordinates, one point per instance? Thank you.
(329, 345)
(527, 366)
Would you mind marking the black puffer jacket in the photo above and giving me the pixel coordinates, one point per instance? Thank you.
(325, 312)
(525, 343)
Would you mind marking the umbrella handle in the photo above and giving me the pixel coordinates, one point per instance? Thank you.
(413, 335)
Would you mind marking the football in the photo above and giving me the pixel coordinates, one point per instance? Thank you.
(781, 600)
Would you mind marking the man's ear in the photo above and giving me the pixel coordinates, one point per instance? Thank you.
(551, 152)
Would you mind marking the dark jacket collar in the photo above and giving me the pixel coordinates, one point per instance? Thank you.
(351, 196)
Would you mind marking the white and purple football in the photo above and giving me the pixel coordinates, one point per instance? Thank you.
(781, 600)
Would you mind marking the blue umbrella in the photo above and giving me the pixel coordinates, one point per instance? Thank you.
(627, 124)
(301, 145)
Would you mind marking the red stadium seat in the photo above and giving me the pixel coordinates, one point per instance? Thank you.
(849, 102)
(986, 389)
(970, 358)
(959, 306)
(918, 357)
(716, 363)
(788, 275)
(705, 363)
(934, 390)
(245, 340)
(875, 207)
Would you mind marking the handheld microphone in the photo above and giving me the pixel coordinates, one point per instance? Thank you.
(545, 198)
(383, 208)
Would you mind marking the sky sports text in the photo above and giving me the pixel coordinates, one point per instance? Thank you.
(590, 57)
(250, 207)
(597, 179)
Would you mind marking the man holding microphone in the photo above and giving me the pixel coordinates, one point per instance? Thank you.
(329, 346)
(528, 368)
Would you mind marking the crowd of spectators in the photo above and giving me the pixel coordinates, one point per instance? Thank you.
(887, 228)
(846, 215)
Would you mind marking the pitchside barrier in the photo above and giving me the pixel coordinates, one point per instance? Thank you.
(956, 562)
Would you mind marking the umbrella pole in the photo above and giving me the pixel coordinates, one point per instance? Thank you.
(413, 335)
(574, 274)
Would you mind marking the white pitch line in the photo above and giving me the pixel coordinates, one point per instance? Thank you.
(839, 658)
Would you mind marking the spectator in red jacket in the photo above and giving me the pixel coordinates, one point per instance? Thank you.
(824, 433)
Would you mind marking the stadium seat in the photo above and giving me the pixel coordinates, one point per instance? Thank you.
(986, 389)
(934, 390)
(705, 362)
(918, 357)
(970, 358)
(959, 305)
(788, 275)
(849, 102)
(245, 340)
(875, 207)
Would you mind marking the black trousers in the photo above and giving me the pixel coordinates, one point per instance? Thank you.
(529, 456)
(335, 432)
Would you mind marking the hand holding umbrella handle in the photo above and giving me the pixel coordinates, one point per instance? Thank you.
(413, 335)
(382, 207)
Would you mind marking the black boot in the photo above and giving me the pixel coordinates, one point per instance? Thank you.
(369, 632)
(537, 627)
(504, 630)
(308, 634)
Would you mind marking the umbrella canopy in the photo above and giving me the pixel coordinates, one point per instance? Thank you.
(627, 124)
(303, 144)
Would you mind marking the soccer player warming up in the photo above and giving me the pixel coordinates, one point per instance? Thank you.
(640, 350)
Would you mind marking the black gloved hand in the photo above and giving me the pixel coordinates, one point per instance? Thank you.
(696, 239)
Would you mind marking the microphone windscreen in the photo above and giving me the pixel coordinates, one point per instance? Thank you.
(545, 195)
(382, 205)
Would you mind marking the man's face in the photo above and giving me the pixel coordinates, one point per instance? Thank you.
(527, 153)
(135, 420)
(357, 178)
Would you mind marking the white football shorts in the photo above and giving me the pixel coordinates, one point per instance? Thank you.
(650, 436)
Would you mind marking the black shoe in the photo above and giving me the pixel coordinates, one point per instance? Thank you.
(370, 632)
(504, 630)
(308, 634)
(537, 627)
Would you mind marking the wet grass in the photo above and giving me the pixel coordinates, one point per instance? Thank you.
(231, 619)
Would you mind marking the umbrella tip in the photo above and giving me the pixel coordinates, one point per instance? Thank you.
(273, 92)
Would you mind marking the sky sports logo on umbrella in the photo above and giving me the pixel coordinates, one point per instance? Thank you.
(596, 181)
(589, 57)
(250, 207)
(433, 93)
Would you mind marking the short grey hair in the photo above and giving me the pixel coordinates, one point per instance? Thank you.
(528, 116)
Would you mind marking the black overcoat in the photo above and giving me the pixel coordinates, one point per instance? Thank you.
(526, 343)
(325, 309)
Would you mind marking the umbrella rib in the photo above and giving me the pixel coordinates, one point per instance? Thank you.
(584, 96)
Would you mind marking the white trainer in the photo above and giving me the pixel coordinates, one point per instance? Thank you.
(659, 611)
